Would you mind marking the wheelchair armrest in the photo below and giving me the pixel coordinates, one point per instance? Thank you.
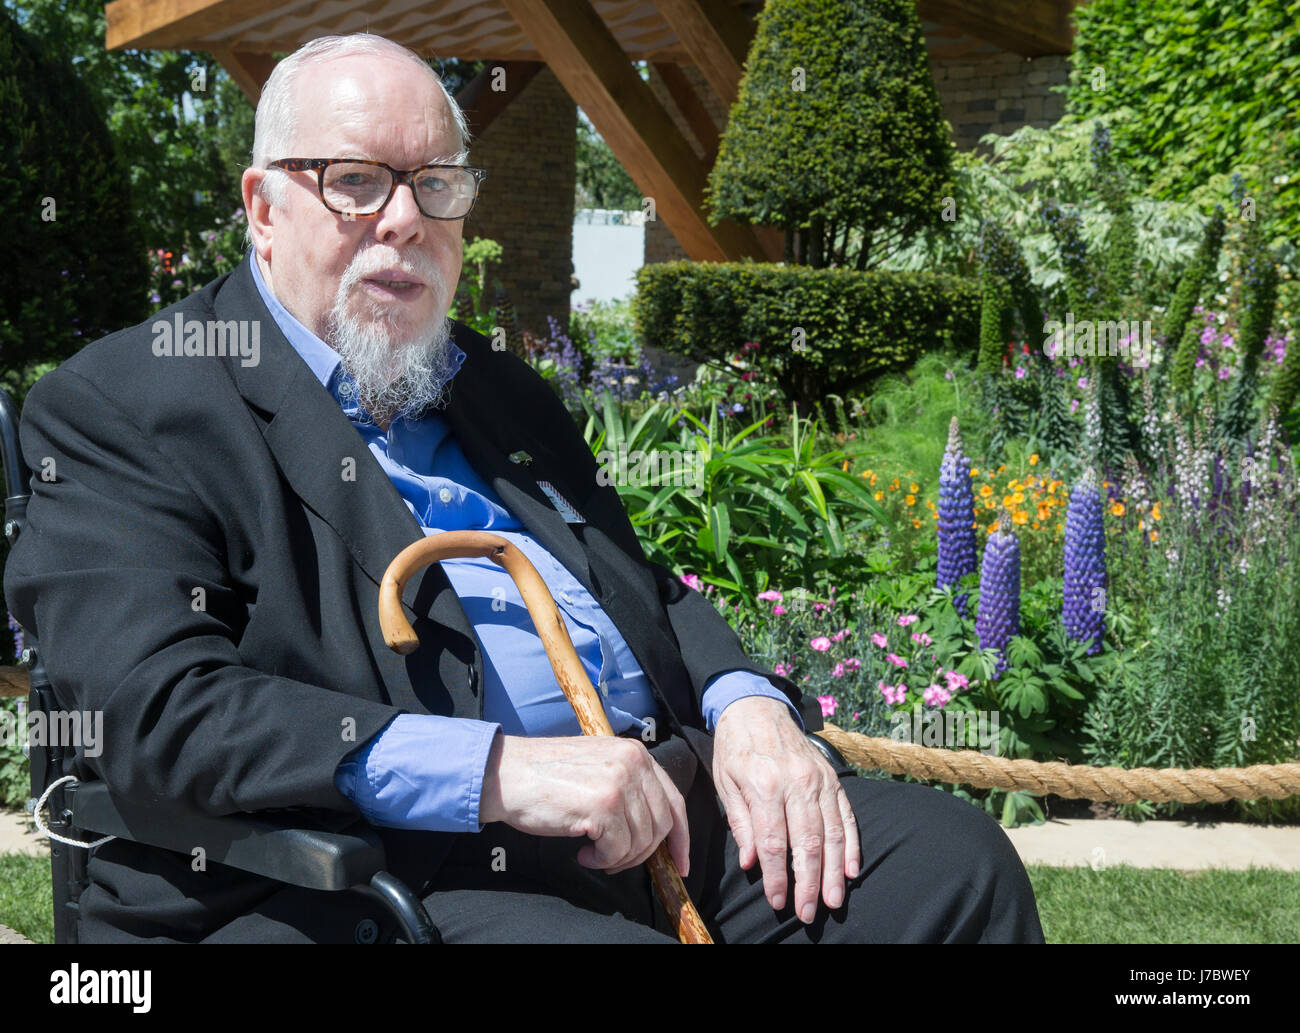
(834, 756)
(289, 847)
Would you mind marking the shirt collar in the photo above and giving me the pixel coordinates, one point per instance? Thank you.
(323, 360)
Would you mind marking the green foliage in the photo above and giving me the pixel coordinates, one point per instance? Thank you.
(1215, 86)
(601, 182)
(66, 204)
(838, 131)
(15, 772)
(178, 122)
(734, 507)
(472, 305)
(1009, 187)
(1176, 328)
(820, 330)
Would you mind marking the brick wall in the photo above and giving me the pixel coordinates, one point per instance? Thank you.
(525, 202)
(999, 93)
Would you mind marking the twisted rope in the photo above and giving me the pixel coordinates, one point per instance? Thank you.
(1074, 781)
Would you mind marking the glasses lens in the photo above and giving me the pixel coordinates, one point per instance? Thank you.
(445, 193)
(359, 189)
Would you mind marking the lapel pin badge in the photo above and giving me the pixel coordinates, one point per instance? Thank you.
(521, 457)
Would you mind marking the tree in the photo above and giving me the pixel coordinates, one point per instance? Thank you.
(601, 181)
(838, 134)
(77, 268)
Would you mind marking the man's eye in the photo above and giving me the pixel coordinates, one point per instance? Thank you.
(433, 184)
(354, 179)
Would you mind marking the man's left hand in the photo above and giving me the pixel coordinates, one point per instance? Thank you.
(780, 793)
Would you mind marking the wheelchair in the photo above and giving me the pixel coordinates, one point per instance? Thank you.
(295, 849)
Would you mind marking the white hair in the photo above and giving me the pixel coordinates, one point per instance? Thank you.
(277, 109)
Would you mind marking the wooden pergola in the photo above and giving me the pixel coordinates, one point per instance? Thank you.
(590, 45)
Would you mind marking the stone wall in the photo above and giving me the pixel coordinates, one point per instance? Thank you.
(999, 93)
(525, 202)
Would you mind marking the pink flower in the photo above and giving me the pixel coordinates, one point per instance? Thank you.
(1020, 372)
(770, 596)
(852, 664)
(879, 640)
(921, 637)
(895, 659)
(828, 705)
(906, 619)
(821, 643)
(839, 671)
(956, 682)
(782, 670)
(691, 581)
(840, 635)
(778, 610)
(936, 696)
(1083, 383)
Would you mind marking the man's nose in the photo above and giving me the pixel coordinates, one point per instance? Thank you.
(401, 218)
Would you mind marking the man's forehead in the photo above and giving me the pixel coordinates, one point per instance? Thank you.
(376, 108)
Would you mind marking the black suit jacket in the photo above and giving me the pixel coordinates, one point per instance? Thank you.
(204, 565)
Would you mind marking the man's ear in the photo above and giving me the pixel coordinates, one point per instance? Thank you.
(258, 210)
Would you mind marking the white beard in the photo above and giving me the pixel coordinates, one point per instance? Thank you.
(396, 374)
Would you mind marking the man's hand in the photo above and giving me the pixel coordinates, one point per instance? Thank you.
(777, 790)
(604, 787)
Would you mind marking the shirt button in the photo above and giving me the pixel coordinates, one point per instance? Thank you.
(445, 494)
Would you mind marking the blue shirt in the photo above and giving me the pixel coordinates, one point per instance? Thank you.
(426, 771)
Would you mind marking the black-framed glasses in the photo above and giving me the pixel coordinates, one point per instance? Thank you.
(360, 187)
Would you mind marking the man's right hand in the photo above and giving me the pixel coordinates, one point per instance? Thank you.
(604, 787)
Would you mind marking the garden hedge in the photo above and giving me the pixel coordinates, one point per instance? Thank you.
(855, 326)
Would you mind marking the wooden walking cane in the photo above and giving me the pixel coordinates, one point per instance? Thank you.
(569, 672)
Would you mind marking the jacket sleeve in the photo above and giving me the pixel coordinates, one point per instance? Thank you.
(120, 572)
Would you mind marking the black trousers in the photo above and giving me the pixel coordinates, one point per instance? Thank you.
(935, 870)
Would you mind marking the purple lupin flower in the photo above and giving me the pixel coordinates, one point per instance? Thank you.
(1084, 604)
(956, 517)
(19, 639)
(999, 609)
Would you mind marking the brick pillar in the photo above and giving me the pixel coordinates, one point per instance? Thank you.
(526, 201)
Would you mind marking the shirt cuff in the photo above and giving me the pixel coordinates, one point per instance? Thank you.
(724, 689)
(422, 772)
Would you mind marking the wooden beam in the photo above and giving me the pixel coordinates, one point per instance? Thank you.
(717, 36)
(1029, 27)
(172, 24)
(482, 104)
(250, 71)
(585, 57)
(692, 108)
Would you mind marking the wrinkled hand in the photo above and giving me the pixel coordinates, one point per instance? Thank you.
(779, 792)
(604, 787)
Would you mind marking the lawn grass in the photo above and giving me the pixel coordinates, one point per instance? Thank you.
(26, 904)
(1121, 904)
(1076, 905)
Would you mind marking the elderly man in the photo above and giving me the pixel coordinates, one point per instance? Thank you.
(204, 567)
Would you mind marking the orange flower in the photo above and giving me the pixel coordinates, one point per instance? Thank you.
(1059, 528)
(1002, 467)
(893, 485)
(1155, 512)
(845, 467)
(914, 487)
(879, 495)
(990, 504)
(974, 470)
(1044, 511)
(1034, 525)
(910, 500)
(1019, 516)
(986, 491)
(1033, 459)
(916, 523)
(1008, 501)
(1019, 497)
(1155, 535)
(1117, 508)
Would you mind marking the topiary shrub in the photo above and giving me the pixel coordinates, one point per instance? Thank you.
(838, 134)
(77, 269)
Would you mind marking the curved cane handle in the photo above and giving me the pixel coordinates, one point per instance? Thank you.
(569, 672)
